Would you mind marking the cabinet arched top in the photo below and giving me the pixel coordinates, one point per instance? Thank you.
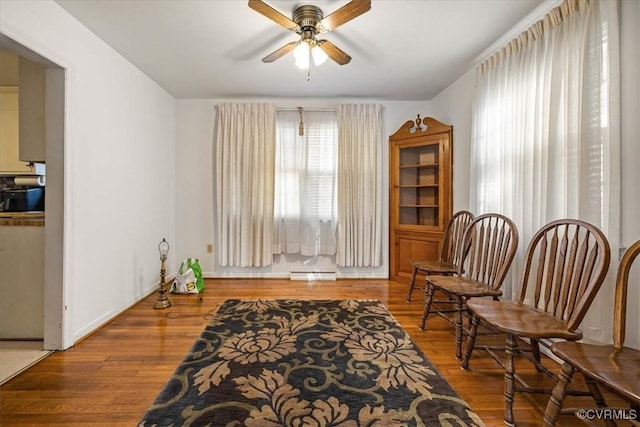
(420, 127)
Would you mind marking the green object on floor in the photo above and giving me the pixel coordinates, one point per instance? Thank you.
(189, 279)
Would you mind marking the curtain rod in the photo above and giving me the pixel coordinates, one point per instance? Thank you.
(553, 17)
(534, 16)
(328, 110)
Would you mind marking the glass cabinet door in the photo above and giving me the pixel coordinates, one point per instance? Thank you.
(418, 185)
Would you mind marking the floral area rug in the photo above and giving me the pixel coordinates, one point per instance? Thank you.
(300, 363)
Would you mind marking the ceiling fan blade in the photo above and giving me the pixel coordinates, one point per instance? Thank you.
(266, 10)
(280, 52)
(346, 13)
(334, 52)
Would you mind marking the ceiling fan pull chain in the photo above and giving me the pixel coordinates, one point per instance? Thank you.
(301, 125)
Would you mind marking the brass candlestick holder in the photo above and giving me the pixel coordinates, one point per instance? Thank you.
(163, 299)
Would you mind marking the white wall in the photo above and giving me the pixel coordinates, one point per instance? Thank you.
(194, 184)
(119, 168)
(454, 105)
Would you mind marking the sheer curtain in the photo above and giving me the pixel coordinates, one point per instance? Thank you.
(245, 155)
(305, 201)
(359, 186)
(546, 126)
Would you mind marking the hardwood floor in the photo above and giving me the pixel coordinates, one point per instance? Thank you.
(111, 377)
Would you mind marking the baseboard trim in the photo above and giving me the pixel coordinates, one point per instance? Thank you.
(287, 276)
(310, 276)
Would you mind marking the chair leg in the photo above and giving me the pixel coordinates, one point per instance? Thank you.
(595, 392)
(509, 377)
(429, 290)
(535, 351)
(471, 342)
(554, 405)
(412, 283)
(458, 327)
(598, 398)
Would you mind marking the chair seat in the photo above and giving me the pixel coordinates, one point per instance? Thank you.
(521, 320)
(463, 286)
(619, 369)
(435, 267)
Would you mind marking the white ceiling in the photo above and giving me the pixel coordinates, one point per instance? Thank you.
(401, 49)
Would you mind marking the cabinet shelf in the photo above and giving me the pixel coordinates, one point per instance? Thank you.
(420, 165)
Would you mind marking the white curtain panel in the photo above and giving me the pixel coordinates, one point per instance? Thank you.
(305, 201)
(245, 158)
(359, 186)
(546, 141)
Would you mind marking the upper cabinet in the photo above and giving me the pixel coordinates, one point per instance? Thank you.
(32, 81)
(9, 133)
(420, 192)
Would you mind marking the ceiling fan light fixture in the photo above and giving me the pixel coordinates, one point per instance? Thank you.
(301, 54)
(319, 55)
(307, 49)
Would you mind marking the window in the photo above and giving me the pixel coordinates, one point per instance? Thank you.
(305, 185)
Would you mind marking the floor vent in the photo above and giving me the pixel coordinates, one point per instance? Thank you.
(310, 276)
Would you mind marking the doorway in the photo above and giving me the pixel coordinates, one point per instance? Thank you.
(57, 333)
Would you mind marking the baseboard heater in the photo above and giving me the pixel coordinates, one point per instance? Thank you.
(310, 276)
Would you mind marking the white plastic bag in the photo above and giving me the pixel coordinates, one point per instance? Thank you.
(189, 278)
(185, 283)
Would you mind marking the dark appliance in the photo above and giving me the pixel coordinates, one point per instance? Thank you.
(23, 199)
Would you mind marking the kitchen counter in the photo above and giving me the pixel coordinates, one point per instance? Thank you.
(28, 219)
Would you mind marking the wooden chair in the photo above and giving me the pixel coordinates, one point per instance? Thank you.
(489, 245)
(615, 366)
(450, 250)
(565, 265)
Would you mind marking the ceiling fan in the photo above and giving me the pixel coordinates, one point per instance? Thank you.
(308, 21)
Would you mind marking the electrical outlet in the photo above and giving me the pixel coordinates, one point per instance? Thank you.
(209, 248)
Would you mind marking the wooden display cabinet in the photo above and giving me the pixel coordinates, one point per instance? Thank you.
(420, 193)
